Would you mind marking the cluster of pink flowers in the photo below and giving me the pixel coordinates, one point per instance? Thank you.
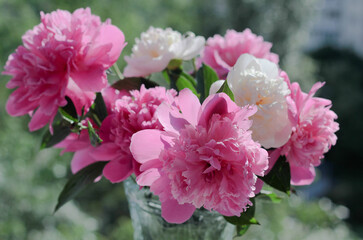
(200, 157)
(221, 53)
(65, 55)
(131, 113)
(191, 154)
(312, 133)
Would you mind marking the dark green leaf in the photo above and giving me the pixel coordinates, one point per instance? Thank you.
(241, 230)
(246, 217)
(61, 129)
(93, 136)
(98, 111)
(206, 76)
(279, 177)
(225, 89)
(133, 83)
(79, 181)
(182, 83)
(69, 111)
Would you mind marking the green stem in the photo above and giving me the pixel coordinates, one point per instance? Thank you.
(118, 72)
(194, 65)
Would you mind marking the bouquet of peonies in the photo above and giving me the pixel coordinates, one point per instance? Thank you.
(228, 121)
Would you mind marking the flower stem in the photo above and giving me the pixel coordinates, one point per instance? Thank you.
(118, 72)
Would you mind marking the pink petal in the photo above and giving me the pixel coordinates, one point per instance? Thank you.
(146, 145)
(218, 103)
(173, 212)
(106, 152)
(92, 79)
(189, 105)
(106, 127)
(81, 159)
(79, 97)
(258, 186)
(17, 105)
(170, 118)
(107, 46)
(261, 163)
(220, 62)
(273, 155)
(111, 34)
(148, 177)
(118, 170)
(156, 163)
(39, 120)
(301, 175)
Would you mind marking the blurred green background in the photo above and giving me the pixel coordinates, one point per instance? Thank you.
(30, 180)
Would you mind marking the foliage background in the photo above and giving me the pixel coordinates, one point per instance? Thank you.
(30, 180)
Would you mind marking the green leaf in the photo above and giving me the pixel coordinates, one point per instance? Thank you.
(99, 107)
(270, 196)
(133, 83)
(69, 111)
(79, 181)
(98, 111)
(166, 76)
(183, 82)
(206, 76)
(225, 89)
(279, 177)
(246, 217)
(189, 78)
(93, 136)
(241, 230)
(61, 129)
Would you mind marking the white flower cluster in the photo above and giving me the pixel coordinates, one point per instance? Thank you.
(157, 47)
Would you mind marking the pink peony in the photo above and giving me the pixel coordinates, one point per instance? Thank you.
(131, 113)
(205, 157)
(221, 53)
(65, 55)
(312, 133)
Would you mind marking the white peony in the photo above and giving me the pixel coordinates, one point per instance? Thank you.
(157, 47)
(257, 81)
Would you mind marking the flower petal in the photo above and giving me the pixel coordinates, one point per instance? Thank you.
(146, 145)
(173, 212)
(81, 159)
(106, 152)
(301, 175)
(148, 177)
(189, 105)
(215, 87)
(118, 170)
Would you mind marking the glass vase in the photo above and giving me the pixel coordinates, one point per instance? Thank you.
(145, 211)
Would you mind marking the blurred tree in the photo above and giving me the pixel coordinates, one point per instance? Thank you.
(342, 71)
